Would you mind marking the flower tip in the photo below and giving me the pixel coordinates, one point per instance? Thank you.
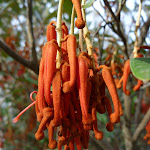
(16, 119)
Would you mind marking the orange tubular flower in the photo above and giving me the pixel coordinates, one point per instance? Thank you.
(72, 114)
(85, 139)
(76, 105)
(59, 146)
(80, 24)
(78, 143)
(126, 73)
(48, 114)
(56, 84)
(62, 140)
(64, 34)
(62, 111)
(71, 48)
(66, 77)
(118, 86)
(137, 87)
(50, 32)
(38, 113)
(98, 134)
(52, 143)
(71, 144)
(66, 147)
(41, 102)
(49, 68)
(108, 78)
(109, 125)
(82, 78)
(101, 108)
(88, 125)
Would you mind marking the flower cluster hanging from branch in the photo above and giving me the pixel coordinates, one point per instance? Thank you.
(71, 94)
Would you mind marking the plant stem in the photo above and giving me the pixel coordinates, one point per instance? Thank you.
(72, 20)
(136, 28)
(81, 39)
(59, 34)
(86, 33)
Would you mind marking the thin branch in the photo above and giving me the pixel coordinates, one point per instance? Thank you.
(14, 55)
(95, 33)
(120, 8)
(144, 31)
(118, 31)
(141, 126)
(110, 10)
(99, 13)
(31, 34)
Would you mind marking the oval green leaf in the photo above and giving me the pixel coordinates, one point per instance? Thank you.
(140, 68)
(88, 4)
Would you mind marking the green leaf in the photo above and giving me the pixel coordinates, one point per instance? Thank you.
(88, 4)
(140, 68)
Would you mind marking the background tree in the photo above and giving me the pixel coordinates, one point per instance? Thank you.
(115, 30)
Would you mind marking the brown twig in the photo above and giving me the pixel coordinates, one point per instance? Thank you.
(14, 55)
(31, 34)
(120, 8)
(144, 31)
(141, 126)
(118, 30)
(110, 10)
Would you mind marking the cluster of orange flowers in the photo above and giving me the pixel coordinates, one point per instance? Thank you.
(147, 136)
(69, 97)
(78, 93)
